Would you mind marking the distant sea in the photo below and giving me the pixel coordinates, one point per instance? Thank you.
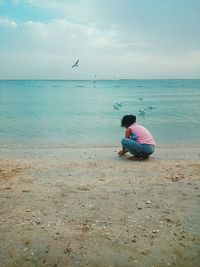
(84, 112)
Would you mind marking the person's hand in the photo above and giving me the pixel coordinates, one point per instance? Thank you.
(121, 152)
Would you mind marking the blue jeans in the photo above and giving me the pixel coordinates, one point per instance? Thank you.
(137, 149)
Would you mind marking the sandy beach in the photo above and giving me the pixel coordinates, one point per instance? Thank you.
(88, 207)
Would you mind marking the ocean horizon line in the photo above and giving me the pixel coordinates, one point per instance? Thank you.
(120, 79)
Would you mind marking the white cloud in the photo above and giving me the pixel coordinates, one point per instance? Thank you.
(79, 10)
(58, 42)
(35, 49)
(7, 22)
(60, 35)
(38, 3)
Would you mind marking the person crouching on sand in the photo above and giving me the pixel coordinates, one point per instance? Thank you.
(138, 140)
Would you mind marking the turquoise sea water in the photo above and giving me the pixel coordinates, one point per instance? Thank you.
(85, 112)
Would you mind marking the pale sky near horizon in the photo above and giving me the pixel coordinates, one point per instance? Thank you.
(138, 39)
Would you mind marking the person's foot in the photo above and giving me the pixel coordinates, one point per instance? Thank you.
(146, 157)
(137, 158)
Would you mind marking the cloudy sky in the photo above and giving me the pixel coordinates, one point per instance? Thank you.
(41, 39)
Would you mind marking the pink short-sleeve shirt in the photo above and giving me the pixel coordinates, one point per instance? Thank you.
(144, 136)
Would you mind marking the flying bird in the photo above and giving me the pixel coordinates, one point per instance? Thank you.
(119, 104)
(115, 107)
(141, 113)
(151, 107)
(76, 64)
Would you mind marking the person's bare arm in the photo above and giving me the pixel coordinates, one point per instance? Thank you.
(127, 135)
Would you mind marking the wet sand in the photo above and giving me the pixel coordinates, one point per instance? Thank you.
(89, 207)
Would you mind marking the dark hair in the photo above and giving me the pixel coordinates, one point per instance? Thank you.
(128, 120)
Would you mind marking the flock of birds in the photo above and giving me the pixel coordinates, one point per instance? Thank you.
(142, 112)
(117, 106)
